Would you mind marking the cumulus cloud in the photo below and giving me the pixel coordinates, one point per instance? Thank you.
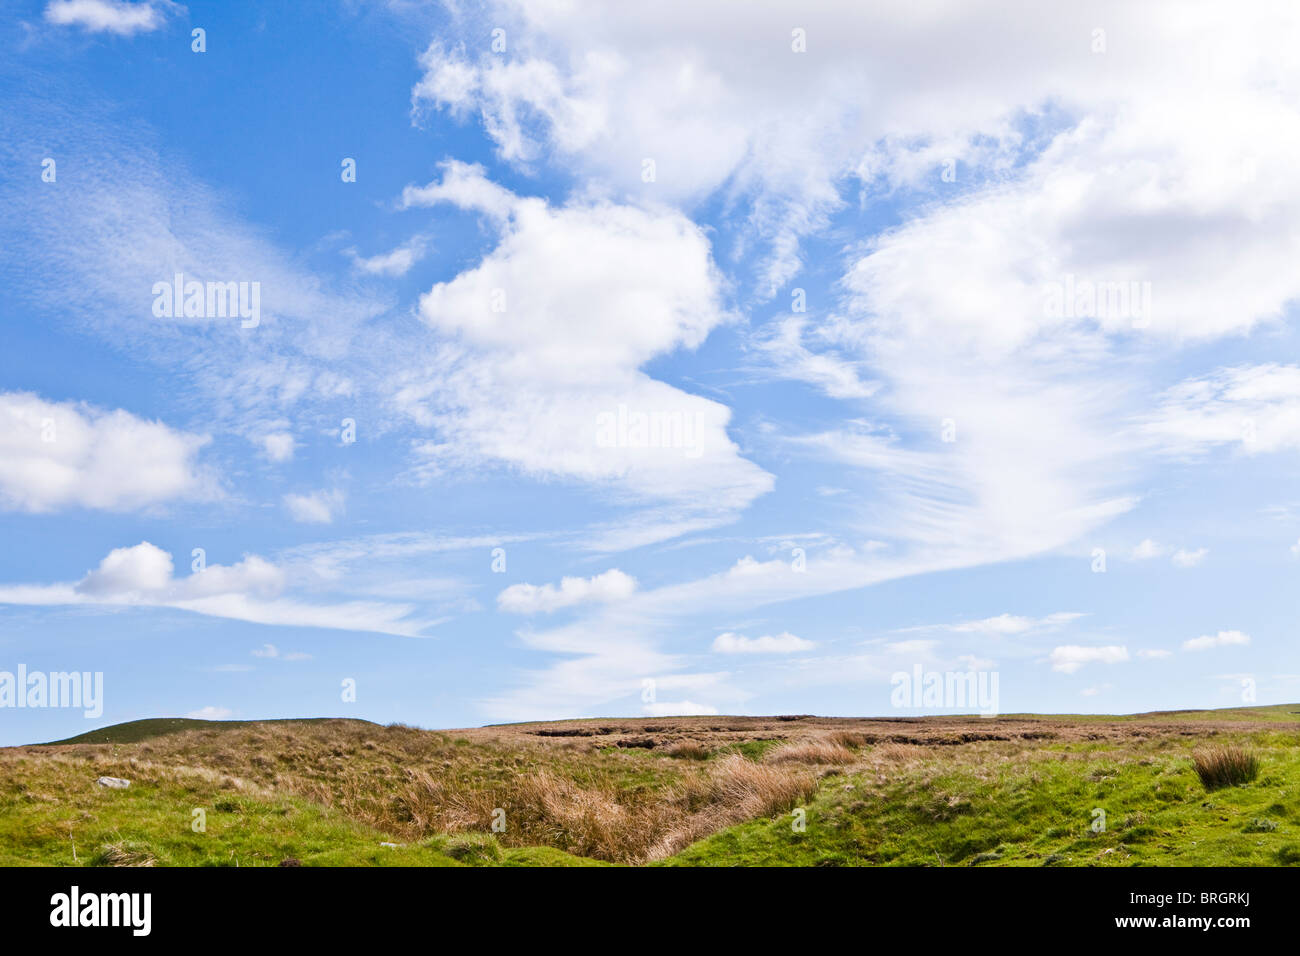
(1068, 658)
(612, 585)
(783, 643)
(278, 446)
(144, 567)
(545, 339)
(316, 507)
(1221, 639)
(110, 16)
(252, 590)
(57, 455)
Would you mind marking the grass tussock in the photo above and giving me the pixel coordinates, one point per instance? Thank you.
(689, 750)
(125, 853)
(811, 752)
(1220, 767)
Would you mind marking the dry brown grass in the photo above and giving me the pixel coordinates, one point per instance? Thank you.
(689, 750)
(812, 752)
(123, 853)
(849, 738)
(735, 790)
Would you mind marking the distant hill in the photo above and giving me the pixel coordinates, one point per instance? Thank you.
(134, 731)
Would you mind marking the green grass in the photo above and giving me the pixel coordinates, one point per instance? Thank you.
(56, 815)
(1003, 809)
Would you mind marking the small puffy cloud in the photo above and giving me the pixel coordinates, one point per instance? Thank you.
(1068, 658)
(56, 455)
(211, 713)
(278, 446)
(143, 568)
(783, 643)
(318, 507)
(1148, 549)
(109, 16)
(613, 585)
(1221, 639)
(397, 262)
(1184, 558)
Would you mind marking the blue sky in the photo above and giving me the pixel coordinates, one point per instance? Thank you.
(817, 246)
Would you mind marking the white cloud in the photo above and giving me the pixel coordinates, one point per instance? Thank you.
(278, 446)
(612, 585)
(722, 102)
(1154, 654)
(677, 708)
(1148, 549)
(543, 346)
(1070, 657)
(783, 643)
(211, 713)
(396, 262)
(836, 376)
(109, 16)
(272, 652)
(251, 590)
(1254, 409)
(1008, 624)
(56, 455)
(466, 186)
(316, 507)
(141, 568)
(111, 232)
(1221, 639)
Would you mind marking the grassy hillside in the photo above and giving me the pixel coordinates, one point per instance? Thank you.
(134, 731)
(795, 790)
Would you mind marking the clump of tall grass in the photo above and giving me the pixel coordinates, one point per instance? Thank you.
(811, 752)
(689, 750)
(1225, 766)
